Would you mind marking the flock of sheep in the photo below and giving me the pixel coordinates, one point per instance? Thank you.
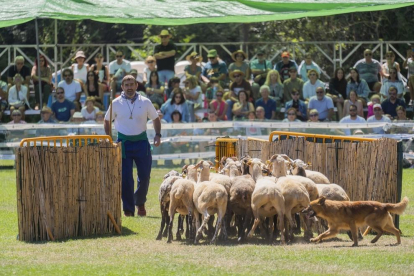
(248, 195)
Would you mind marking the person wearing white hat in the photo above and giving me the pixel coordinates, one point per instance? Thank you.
(164, 53)
(80, 69)
(378, 118)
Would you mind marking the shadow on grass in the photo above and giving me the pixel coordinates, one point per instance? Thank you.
(125, 232)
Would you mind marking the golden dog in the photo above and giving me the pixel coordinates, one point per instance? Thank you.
(350, 215)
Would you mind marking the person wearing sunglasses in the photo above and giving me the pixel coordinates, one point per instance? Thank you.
(352, 118)
(62, 108)
(194, 68)
(219, 106)
(359, 85)
(118, 68)
(392, 80)
(323, 104)
(18, 68)
(389, 106)
(93, 89)
(151, 67)
(313, 116)
(298, 105)
(101, 71)
(177, 102)
(390, 63)
(71, 87)
(215, 68)
(291, 116)
(239, 57)
(239, 84)
(284, 65)
(378, 118)
(18, 94)
(45, 80)
(292, 83)
(306, 65)
(16, 117)
(164, 53)
(80, 68)
(369, 69)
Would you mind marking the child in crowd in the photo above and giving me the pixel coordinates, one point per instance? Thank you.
(375, 99)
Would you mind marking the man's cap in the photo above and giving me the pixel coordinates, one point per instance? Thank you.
(293, 68)
(133, 71)
(165, 32)
(377, 106)
(212, 53)
(285, 54)
(80, 54)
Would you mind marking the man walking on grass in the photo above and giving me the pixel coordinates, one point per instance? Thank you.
(130, 113)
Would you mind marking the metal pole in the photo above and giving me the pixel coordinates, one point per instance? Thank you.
(39, 75)
(56, 53)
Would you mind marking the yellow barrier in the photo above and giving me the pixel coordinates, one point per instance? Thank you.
(225, 147)
(332, 138)
(76, 139)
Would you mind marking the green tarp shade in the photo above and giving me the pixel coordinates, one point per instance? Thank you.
(184, 12)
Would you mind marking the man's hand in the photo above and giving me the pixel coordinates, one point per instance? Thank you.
(157, 140)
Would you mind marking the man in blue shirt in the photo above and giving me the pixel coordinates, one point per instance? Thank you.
(390, 105)
(215, 68)
(267, 103)
(62, 108)
(323, 104)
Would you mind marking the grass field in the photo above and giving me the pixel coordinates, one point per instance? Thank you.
(137, 252)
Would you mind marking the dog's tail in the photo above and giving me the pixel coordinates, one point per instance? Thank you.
(397, 208)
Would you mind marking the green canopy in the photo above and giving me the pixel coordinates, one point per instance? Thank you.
(184, 12)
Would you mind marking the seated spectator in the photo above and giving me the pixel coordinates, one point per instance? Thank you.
(299, 105)
(352, 118)
(375, 99)
(239, 84)
(240, 64)
(118, 69)
(401, 114)
(389, 64)
(164, 54)
(151, 67)
(275, 86)
(323, 104)
(370, 70)
(409, 65)
(377, 90)
(392, 80)
(215, 68)
(267, 103)
(359, 85)
(141, 87)
(63, 109)
(46, 115)
(242, 107)
(89, 110)
(3, 98)
(155, 89)
(177, 102)
(219, 106)
(192, 92)
(353, 100)
(93, 89)
(18, 68)
(16, 117)
(313, 116)
(292, 83)
(77, 118)
(173, 83)
(337, 89)
(260, 113)
(390, 105)
(100, 117)
(45, 80)
(401, 118)
(80, 69)
(176, 117)
(259, 68)
(377, 118)
(71, 87)
(306, 65)
(212, 88)
(291, 115)
(18, 96)
(284, 66)
(101, 71)
(194, 68)
(309, 88)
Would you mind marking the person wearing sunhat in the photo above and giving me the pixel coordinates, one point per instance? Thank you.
(239, 84)
(259, 68)
(164, 53)
(215, 68)
(80, 69)
(193, 69)
(284, 65)
(240, 63)
(46, 114)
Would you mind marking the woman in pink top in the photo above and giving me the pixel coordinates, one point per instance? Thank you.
(375, 99)
(17, 117)
(219, 106)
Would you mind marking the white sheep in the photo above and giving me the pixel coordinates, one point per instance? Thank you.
(299, 168)
(164, 199)
(267, 201)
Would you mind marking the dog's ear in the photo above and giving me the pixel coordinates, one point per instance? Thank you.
(322, 200)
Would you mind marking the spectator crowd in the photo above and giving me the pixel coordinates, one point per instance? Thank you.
(250, 90)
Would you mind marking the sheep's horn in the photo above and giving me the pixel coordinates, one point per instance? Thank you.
(284, 156)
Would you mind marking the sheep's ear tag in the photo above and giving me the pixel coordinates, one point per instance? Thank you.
(268, 162)
(309, 164)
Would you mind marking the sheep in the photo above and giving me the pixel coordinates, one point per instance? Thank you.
(299, 168)
(164, 199)
(240, 200)
(267, 201)
(332, 192)
(209, 198)
(182, 202)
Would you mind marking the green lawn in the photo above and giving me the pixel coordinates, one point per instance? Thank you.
(137, 251)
